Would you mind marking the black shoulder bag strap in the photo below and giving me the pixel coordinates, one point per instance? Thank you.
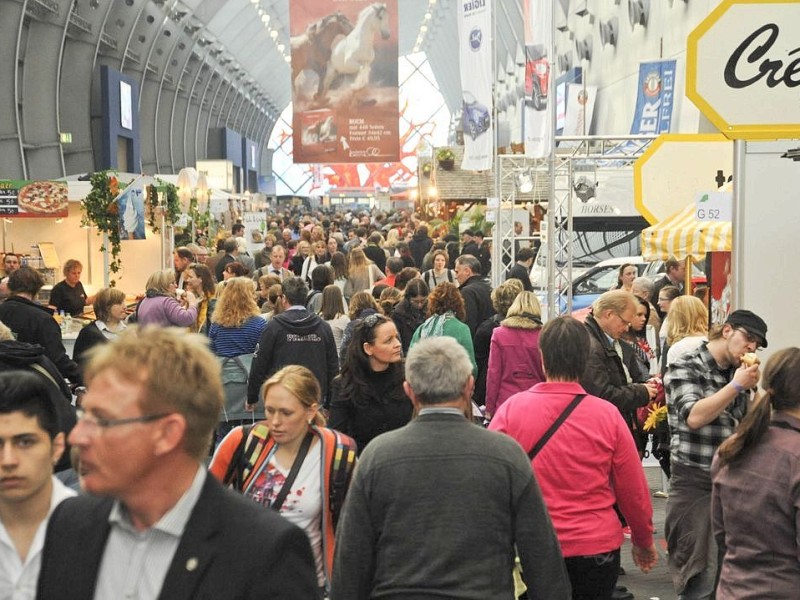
(784, 425)
(233, 474)
(556, 424)
(298, 462)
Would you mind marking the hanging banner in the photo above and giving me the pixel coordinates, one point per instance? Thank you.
(653, 114)
(130, 207)
(538, 117)
(344, 81)
(475, 61)
(580, 108)
(32, 199)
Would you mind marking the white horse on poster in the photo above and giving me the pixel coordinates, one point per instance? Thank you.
(354, 53)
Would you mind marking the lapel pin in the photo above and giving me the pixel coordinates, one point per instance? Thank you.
(191, 564)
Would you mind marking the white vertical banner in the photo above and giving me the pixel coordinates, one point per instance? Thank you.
(538, 124)
(580, 108)
(475, 61)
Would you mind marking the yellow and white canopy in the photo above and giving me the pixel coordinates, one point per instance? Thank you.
(682, 236)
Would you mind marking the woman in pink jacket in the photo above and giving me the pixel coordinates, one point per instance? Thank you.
(515, 363)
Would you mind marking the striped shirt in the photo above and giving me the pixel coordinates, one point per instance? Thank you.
(235, 341)
(694, 376)
(135, 563)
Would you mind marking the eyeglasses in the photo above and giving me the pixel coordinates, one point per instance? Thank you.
(95, 422)
(751, 339)
(628, 324)
(665, 300)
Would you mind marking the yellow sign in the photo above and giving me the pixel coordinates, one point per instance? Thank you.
(742, 68)
(677, 167)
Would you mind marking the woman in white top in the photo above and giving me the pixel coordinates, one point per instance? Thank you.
(339, 265)
(318, 256)
(687, 327)
(439, 273)
(362, 273)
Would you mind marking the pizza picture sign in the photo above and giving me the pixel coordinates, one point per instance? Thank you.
(33, 199)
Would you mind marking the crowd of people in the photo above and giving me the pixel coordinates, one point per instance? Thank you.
(420, 433)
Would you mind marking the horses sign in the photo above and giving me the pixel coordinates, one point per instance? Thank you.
(743, 68)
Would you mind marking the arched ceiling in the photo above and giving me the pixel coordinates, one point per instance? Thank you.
(236, 31)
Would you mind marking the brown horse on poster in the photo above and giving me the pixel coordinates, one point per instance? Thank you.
(311, 50)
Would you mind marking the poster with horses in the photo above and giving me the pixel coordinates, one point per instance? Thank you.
(344, 81)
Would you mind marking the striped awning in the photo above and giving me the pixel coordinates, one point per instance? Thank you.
(682, 235)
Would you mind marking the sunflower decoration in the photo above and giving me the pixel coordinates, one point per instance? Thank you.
(656, 416)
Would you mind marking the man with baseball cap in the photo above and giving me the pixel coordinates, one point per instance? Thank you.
(708, 392)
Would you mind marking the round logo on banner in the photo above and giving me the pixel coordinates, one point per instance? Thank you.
(652, 84)
(475, 39)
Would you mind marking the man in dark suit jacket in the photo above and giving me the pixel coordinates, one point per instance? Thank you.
(231, 248)
(141, 438)
(522, 269)
(674, 275)
(475, 290)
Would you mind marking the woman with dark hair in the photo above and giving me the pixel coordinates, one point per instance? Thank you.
(447, 314)
(234, 269)
(334, 313)
(627, 273)
(411, 311)
(439, 273)
(756, 491)
(404, 251)
(200, 282)
(367, 398)
(339, 265)
(321, 277)
(361, 305)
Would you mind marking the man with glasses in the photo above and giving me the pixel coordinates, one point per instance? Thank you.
(154, 524)
(708, 390)
(607, 375)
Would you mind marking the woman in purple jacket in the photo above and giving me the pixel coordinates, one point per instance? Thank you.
(160, 305)
(515, 363)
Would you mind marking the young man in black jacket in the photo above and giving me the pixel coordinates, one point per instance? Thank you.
(295, 337)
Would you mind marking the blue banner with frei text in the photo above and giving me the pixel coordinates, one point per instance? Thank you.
(656, 96)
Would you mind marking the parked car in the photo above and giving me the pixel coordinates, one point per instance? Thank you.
(537, 77)
(588, 286)
(475, 116)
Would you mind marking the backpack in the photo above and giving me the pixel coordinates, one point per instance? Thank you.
(311, 295)
(427, 278)
(254, 440)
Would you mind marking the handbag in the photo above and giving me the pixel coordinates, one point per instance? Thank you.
(556, 424)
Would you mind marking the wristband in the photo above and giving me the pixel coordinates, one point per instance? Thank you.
(738, 387)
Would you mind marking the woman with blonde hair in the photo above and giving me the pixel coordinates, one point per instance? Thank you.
(298, 467)
(390, 298)
(515, 363)
(160, 305)
(756, 490)
(362, 273)
(274, 304)
(687, 326)
(236, 327)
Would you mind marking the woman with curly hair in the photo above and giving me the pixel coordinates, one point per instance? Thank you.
(367, 398)
(390, 298)
(236, 327)
(362, 273)
(447, 314)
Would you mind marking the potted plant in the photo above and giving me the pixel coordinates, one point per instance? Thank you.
(446, 158)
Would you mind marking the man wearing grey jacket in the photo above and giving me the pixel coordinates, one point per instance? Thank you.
(438, 507)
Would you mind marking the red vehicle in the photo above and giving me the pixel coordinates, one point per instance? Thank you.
(537, 77)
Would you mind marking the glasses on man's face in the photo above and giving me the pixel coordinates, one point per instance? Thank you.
(98, 424)
(627, 323)
(749, 337)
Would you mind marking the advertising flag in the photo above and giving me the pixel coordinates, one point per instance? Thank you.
(580, 108)
(475, 61)
(344, 78)
(656, 96)
(538, 125)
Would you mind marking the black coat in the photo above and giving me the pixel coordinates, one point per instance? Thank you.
(420, 245)
(88, 338)
(519, 271)
(477, 301)
(605, 377)
(482, 342)
(407, 319)
(377, 255)
(231, 548)
(34, 324)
